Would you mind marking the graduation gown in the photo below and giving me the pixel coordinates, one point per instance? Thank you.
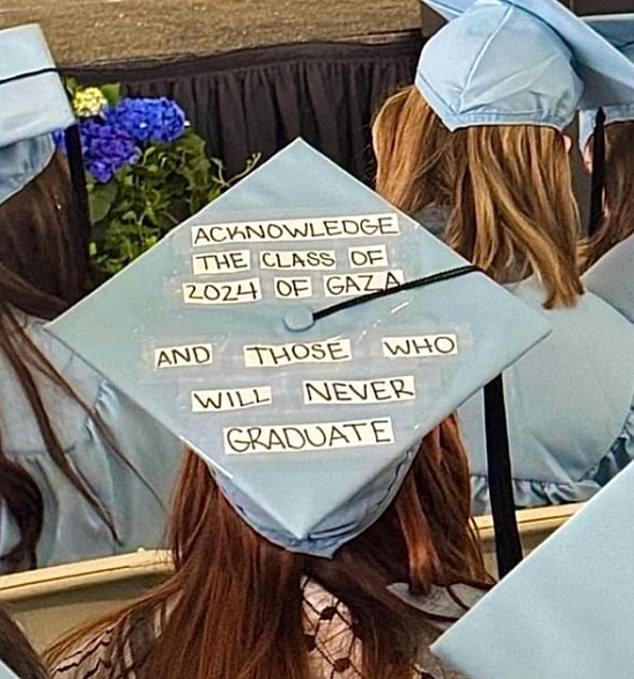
(612, 278)
(72, 530)
(569, 405)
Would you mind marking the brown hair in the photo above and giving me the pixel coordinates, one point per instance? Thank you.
(16, 652)
(415, 165)
(509, 190)
(618, 221)
(43, 270)
(238, 599)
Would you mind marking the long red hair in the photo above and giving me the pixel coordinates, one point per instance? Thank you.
(236, 600)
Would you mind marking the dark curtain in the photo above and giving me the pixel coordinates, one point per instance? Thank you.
(258, 100)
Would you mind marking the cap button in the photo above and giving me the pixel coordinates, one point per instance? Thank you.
(299, 318)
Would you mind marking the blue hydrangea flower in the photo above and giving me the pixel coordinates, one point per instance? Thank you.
(106, 149)
(148, 120)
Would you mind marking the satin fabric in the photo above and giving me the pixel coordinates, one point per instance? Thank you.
(72, 529)
(569, 403)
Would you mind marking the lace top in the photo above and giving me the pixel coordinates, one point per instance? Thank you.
(334, 649)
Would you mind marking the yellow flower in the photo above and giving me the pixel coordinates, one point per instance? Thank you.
(89, 102)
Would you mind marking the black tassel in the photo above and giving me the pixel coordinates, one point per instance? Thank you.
(508, 544)
(78, 177)
(598, 173)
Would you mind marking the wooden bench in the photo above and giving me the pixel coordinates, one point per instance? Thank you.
(49, 601)
(535, 526)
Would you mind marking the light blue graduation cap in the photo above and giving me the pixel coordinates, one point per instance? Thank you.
(261, 334)
(619, 30)
(34, 104)
(6, 673)
(505, 62)
(566, 611)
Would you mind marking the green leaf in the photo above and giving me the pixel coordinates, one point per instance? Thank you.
(144, 201)
(191, 143)
(101, 198)
(112, 93)
(130, 217)
(72, 85)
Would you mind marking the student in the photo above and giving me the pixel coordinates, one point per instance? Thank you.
(617, 223)
(236, 602)
(511, 211)
(607, 253)
(16, 653)
(305, 551)
(83, 472)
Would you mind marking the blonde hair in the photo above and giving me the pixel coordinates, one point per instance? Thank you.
(509, 189)
(414, 163)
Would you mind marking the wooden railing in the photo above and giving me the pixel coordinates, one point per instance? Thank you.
(49, 601)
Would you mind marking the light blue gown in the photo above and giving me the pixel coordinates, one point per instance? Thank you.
(612, 278)
(72, 530)
(569, 403)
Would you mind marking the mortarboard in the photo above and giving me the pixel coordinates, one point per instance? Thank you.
(611, 278)
(259, 332)
(559, 63)
(619, 30)
(34, 104)
(566, 611)
(6, 673)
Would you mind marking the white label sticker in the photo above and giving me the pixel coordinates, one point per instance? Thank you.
(368, 256)
(308, 228)
(342, 285)
(183, 355)
(293, 287)
(298, 260)
(272, 355)
(223, 292)
(359, 391)
(233, 261)
(420, 346)
(285, 438)
(219, 400)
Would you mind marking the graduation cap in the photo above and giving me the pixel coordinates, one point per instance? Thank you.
(34, 105)
(302, 336)
(566, 611)
(619, 30)
(6, 673)
(559, 64)
(611, 278)
(540, 85)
